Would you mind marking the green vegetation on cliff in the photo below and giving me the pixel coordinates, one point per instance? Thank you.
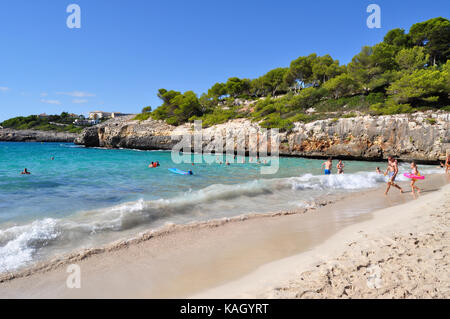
(404, 73)
(59, 123)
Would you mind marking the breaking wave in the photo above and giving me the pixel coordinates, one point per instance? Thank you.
(19, 244)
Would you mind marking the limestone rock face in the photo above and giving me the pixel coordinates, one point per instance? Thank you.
(424, 137)
(123, 132)
(10, 135)
(406, 136)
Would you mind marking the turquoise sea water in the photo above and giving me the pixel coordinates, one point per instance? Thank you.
(85, 197)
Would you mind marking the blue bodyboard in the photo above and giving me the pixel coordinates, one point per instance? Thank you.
(178, 171)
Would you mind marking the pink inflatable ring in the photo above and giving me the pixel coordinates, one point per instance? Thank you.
(412, 176)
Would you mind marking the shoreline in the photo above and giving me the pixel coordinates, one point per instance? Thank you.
(402, 252)
(154, 255)
(43, 266)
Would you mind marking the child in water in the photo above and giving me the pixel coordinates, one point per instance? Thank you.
(414, 171)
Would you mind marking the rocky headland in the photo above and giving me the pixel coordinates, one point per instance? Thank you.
(422, 136)
(10, 135)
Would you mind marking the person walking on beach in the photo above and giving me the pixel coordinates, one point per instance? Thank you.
(415, 172)
(392, 170)
(446, 165)
(328, 166)
(340, 167)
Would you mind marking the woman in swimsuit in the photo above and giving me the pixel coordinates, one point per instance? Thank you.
(340, 167)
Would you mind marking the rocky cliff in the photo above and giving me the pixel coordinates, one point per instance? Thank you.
(11, 135)
(424, 137)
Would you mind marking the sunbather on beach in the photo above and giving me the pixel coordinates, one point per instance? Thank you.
(328, 166)
(392, 171)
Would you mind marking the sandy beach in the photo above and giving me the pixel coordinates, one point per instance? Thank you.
(402, 252)
(396, 248)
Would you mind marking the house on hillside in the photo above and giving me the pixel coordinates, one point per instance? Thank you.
(83, 122)
(76, 116)
(97, 115)
(118, 114)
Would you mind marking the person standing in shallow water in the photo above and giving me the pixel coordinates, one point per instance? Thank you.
(340, 167)
(328, 166)
(446, 165)
(392, 171)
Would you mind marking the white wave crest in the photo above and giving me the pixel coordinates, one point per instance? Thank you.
(18, 243)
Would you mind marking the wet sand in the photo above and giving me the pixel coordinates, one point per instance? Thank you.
(241, 257)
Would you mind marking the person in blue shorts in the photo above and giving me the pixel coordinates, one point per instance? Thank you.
(392, 171)
(328, 165)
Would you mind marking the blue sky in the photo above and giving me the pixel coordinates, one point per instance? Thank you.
(126, 50)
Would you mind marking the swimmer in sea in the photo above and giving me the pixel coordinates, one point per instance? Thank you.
(152, 164)
(25, 172)
(328, 165)
(377, 170)
(190, 172)
(392, 171)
